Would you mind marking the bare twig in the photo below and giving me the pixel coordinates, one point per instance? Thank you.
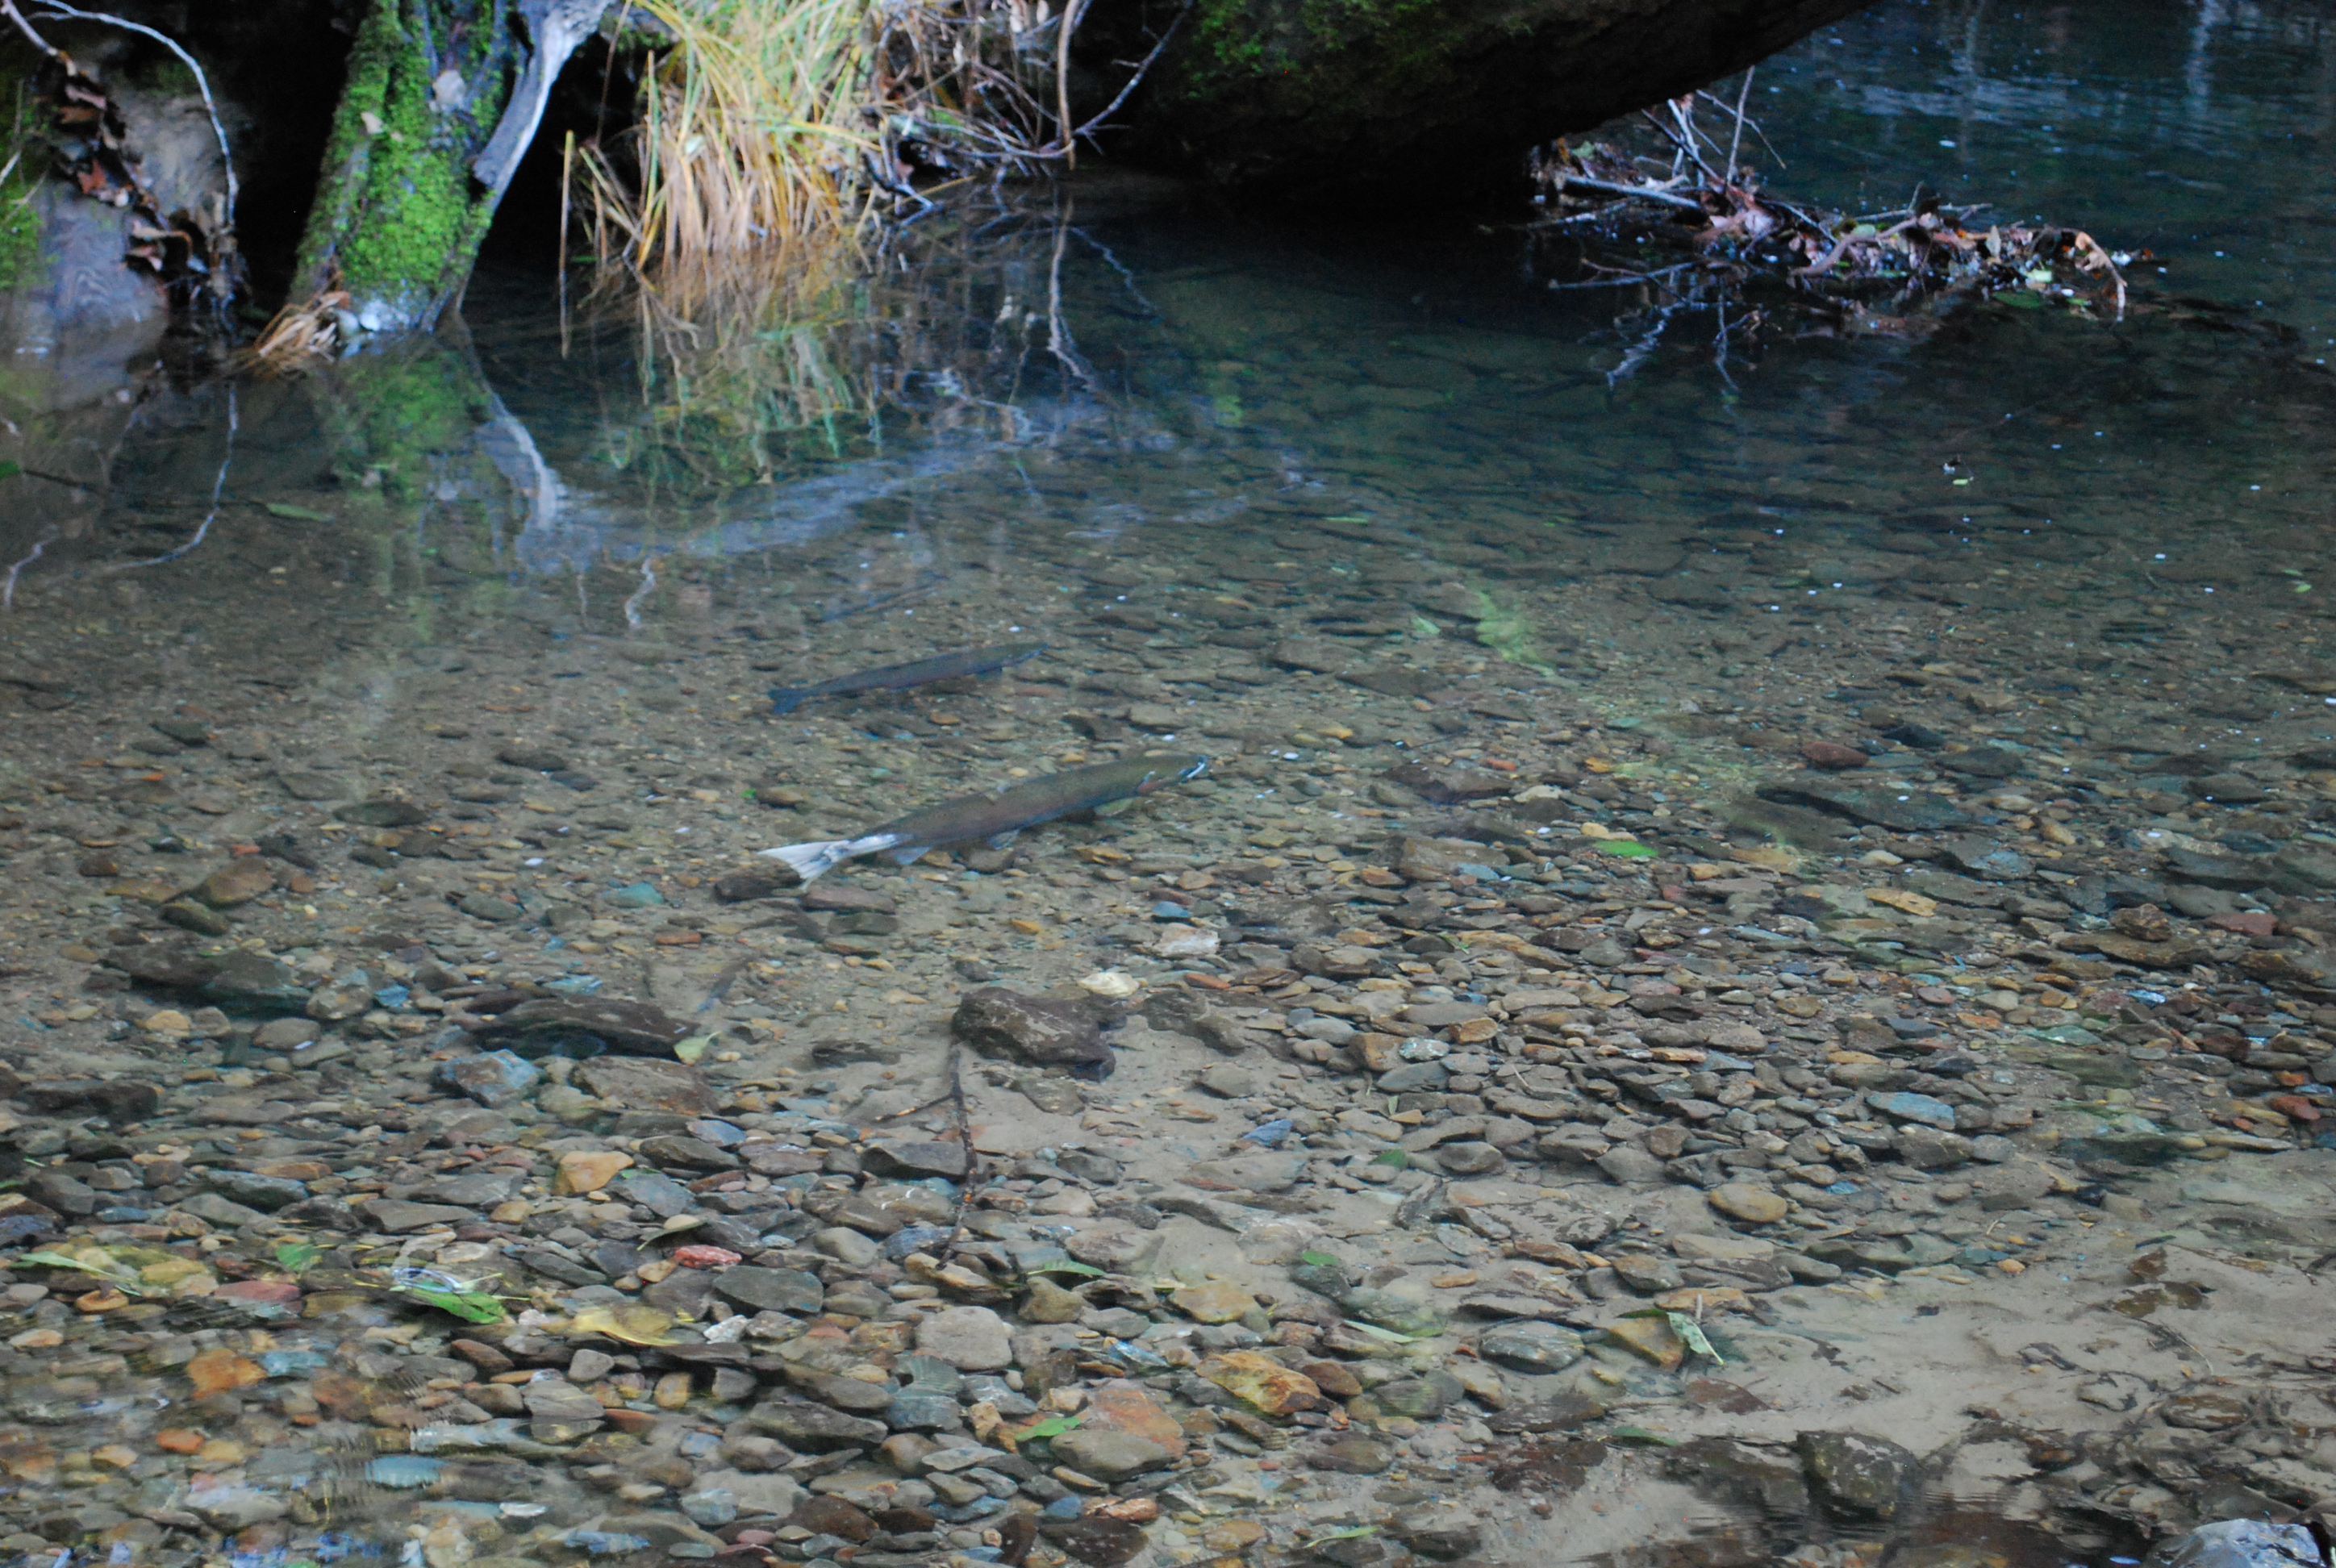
(1644, 193)
(1736, 141)
(1133, 81)
(1071, 9)
(39, 43)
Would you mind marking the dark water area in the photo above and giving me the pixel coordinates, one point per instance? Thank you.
(1911, 756)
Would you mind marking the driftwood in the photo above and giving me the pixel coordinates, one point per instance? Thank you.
(1723, 243)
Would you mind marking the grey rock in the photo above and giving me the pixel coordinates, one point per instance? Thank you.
(771, 1289)
(1114, 1248)
(1867, 1477)
(1414, 1078)
(971, 1338)
(395, 1215)
(221, 1210)
(1232, 1083)
(996, 1021)
(912, 1160)
(642, 1083)
(1632, 1166)
(846, 1246)
(1530, 1347)
(2238, 1544)
(687, 1154)
(1470, 1159)
(265, 1193)
(1422, 1398)
(660, 1195)
(1108, 1455)
(473, 1190)
(814, 1428)
(555, 1399)
(1644, 1272)
(711, 1509)
(1101, 1169)
(1928, 1149)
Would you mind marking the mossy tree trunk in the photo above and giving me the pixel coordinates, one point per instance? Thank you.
(442, 99)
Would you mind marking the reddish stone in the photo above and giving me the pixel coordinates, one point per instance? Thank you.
(258, 1292)
(1832, 756)
(833, 1517)
(2294, 1107)
(2246, 922)
(705, 1257)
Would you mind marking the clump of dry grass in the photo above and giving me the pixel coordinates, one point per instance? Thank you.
(765, 123)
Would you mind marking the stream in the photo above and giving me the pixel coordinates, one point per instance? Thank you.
(1749, 979)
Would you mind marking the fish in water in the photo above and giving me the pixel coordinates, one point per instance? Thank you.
(900, 676)
(997, 817)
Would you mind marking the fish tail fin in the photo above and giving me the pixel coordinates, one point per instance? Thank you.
(786, 700)
(811, 860)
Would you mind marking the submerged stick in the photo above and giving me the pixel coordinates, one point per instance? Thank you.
(218, 487)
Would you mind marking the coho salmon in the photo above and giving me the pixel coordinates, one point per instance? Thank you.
(900, 676)
(997, 816)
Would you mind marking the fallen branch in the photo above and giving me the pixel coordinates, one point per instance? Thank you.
(1759, 263)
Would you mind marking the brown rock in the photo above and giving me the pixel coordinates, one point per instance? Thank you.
(237, 882)
(1116, 1405)
(1335, 1378)
(543, 1026)
(1100, 1542)
(833, 1517)
(1754, 1205)
(588, 1171)
(1216, 1301)
(996, 1021)
(1262, 1383)
(642, 1083)
(1832, 756)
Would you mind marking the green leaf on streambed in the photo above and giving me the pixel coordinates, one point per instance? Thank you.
(296, 513)
(1319, 1260)
(1628, 849)
(1351, 1533)
(10, 470)
(1375, 1333)
(1067, 1266)
(1691, 1333)
(297, 1256)
(1052, 1427)
(470, 1306)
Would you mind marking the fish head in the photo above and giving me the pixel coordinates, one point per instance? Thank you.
(1175, 769)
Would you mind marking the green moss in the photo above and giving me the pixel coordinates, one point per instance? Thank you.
(399, 413)
(23, 261)
(398, 217)
(1329, 58)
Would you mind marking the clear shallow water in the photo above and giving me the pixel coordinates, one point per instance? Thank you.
(1324, 500)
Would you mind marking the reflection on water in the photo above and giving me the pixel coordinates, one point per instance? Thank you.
(2018, 630)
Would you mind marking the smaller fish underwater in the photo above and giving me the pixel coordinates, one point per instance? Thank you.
(901, 676)
(998, 817)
